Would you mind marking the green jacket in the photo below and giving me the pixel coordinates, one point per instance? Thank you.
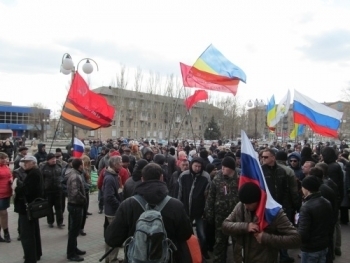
(222, 198)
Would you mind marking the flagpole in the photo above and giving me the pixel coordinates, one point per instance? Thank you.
(67, 66)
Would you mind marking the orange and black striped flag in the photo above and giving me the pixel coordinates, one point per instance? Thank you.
(73, 116)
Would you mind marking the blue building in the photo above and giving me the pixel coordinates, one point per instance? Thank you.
(32, 122)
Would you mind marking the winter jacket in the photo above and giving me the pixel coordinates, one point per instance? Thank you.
(110, 189)
(75, 188)
(294, 196)
(31, 188)
(134, 180)
(52, 177)
(277, 181)
(177, 225)
(192, 189)
(280, 234)
(334, 170)
(17, 160)
(5, 181)
(171, 162)
(297, 169)
(222, 198)
(315, 223)
(41, 154)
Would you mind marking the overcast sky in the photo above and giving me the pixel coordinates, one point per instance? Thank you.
(303, 45)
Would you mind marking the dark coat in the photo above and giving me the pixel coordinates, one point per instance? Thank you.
(177, 225)
(52, 175)
(277, 182)
(315, 223)
(192, 189)
(110, 189)
(41, 154)
(31, 189)
(334, 170)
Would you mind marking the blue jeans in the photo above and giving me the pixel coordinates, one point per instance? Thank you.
(200, 234)
(314, 257)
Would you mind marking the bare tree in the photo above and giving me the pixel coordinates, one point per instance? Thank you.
(138, 79)
(122, 78)
(39, 118)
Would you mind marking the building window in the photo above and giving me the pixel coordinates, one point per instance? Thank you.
(121, 134)
(155, 125)
(200, 127)
(92, 134)
(121, 124)
(154, 116)
(195, 119)
(113, 123)
(114, 133)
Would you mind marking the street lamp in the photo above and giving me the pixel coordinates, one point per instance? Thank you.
(67, 66)
(257, 103)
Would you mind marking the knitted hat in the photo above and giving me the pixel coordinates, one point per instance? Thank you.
(229, 162)
(209, 168)
(221, 154)
(50, 156)
(281, 156)
(311, 183)
(249, 193)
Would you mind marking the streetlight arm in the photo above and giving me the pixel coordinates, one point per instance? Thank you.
(87, 59)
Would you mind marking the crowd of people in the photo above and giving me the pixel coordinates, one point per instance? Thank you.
(311, 184)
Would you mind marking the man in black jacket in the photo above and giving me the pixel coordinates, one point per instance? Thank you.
(315, 222)
(153, 190)
(335, 172)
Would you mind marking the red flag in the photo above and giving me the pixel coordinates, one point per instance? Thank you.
(197, 96)
(195, 78)
(93, 106)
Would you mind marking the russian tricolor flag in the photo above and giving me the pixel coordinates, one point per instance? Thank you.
(78, 148)
(321, 119)
(252, 172)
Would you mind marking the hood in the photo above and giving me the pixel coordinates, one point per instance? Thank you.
(137, 172)
(148, 150)
(159, 159)
(154, 191)
(329, 155)
(196, 160)
(40, 146)
(306, 152)
(296, 155)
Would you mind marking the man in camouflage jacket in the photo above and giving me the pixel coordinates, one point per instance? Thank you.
(222, 199)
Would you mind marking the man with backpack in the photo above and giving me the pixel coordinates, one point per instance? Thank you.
(151, 199)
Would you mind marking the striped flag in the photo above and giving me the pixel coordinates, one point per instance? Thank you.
(251, 172)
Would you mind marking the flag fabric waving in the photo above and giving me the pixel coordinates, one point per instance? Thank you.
(78, 148)
(297, 131)
(93, 106)
(252, 172)
(197, 96)
(73, 116)
(282, 109)
(212, 61)
(321, 119)
(192, 81)
(271, 111)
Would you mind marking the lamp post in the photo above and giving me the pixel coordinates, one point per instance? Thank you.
(257, 103)
(67, 66)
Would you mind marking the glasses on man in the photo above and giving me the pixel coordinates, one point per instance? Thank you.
(265, 157)
(293, 161)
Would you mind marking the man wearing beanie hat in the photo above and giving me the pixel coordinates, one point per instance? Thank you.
(222, 199)
(192, 187)
(315, 222)
(254, 244)
(51, 172)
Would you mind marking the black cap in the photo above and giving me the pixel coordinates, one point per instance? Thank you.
(50, 156)
(311, 183)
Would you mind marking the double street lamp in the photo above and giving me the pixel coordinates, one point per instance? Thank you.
(67, 67)
(257, 104)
